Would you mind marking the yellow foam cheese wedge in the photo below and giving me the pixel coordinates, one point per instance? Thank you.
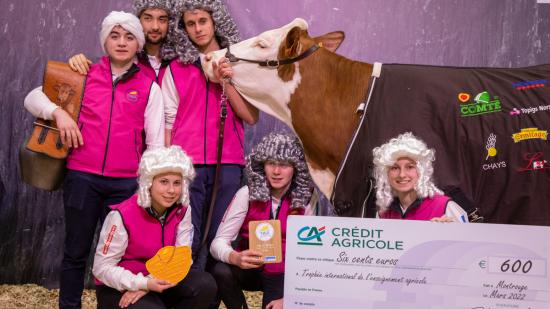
(170, 263)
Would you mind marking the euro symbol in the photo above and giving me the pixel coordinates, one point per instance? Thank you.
(482, 264)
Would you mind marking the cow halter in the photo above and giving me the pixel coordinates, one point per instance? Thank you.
(272, 63)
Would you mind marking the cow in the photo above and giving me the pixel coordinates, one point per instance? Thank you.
(289, 99)
(334, 104)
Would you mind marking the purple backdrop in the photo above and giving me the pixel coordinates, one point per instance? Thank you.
(505, 33)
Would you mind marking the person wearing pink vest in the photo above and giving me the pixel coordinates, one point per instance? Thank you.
(193, 106)
(156, 216)
(404, 188)
(154, 16)
(121, 114)
(279, 185)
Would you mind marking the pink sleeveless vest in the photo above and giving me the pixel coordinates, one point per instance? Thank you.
(198, 117)
(111, 121)
(429, 208)
(145, 233)
(261, 211)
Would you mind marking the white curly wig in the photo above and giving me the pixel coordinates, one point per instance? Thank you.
(279, 147)
(163, 160)
(178, 44)
(409, 146)
(141, 5)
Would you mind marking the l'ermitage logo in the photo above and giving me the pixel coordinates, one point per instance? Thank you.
(530, 84)
(516, 111)
(534, 161)
(530, 133)
(490, 146)
(311, 236)
(483, 104)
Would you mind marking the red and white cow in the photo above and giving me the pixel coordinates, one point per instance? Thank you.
(316, 96)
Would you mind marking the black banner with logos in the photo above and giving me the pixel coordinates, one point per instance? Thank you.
(489, 127)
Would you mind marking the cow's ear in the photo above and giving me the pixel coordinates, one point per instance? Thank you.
(331, 40)
(292, 42)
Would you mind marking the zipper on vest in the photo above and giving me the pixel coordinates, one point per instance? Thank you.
(162, 233)
(205, 119)
(109, 127)
(151, 212)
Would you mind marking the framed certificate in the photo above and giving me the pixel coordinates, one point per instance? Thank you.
(265, 237)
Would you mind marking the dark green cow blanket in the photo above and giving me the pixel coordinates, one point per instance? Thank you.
(489, 128)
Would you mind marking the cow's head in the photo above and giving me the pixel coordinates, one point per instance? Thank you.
(270, 88)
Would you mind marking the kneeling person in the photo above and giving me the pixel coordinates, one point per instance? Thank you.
(279, 185)
(156, 216)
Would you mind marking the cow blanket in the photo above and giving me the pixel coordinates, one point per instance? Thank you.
(489, 128)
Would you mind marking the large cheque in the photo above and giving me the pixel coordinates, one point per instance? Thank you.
(367, 263)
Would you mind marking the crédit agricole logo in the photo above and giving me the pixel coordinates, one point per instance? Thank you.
(311, 235)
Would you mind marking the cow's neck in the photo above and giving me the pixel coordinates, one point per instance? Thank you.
(323, 109)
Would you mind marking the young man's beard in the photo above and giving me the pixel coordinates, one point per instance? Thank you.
(154, 42)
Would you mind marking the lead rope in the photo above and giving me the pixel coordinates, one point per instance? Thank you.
(223, 116)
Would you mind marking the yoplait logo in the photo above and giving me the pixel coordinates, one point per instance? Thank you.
(311, 235)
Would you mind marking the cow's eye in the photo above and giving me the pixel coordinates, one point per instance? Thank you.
(262, 44)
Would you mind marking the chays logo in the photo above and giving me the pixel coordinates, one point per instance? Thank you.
(483, 104)
(311, 236)
(490, 146)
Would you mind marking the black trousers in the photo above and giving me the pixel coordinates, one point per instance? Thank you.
(86, 199)
(197, 290)
(200, 195)
(232, 280)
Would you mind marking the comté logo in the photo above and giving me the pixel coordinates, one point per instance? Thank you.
(483, 104)
(311, 236)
